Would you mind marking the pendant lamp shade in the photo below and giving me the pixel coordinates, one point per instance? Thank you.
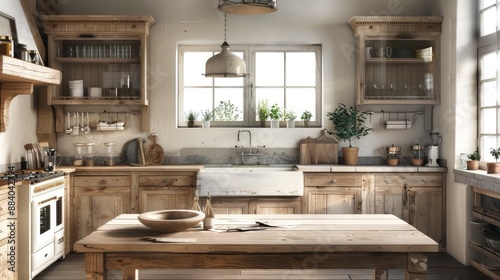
(225, 64)
(247, 7)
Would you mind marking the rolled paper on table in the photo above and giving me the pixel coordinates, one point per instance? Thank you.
(397, 124)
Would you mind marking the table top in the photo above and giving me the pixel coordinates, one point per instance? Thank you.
(295, 234)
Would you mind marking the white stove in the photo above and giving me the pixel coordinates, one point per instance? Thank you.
(40, 220)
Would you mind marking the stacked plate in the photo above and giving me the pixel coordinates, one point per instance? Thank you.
(425, 54)
(76, 88)
(95, 92)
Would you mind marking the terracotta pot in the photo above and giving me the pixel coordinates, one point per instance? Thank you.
(350, 155)
(262, 123)
(472, 164)
(190, 123)
(493, 167)
(306, 123)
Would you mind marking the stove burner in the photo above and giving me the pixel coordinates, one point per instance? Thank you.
(32, 176)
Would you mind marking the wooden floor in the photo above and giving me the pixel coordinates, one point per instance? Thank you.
(441, 267)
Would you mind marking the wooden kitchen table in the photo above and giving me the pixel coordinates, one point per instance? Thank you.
(377, 242)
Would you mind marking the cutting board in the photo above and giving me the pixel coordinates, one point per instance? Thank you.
(322, 150)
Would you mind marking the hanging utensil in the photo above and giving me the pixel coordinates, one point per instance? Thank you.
(69, 130)
(82, 127)
(76, 128)
(87, 127)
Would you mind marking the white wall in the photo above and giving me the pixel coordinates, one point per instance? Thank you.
(314, 21)
(22, 112)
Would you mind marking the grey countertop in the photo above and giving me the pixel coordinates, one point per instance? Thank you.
(369, 168)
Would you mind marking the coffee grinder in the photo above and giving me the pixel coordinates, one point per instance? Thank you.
(433, 149)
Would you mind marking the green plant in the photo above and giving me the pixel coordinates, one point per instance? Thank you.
(348, 123)
(275, 113)
(263, 110)
(495, 153)
(474, 156)
(226, 111)
(206, 115)
(289, 115)
(191, 115)
(306, 116)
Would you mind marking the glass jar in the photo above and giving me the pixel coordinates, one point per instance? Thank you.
(108, 157)
(6, 46)
(463, 161)
(89, 157)
(417, 155)
(78, 159)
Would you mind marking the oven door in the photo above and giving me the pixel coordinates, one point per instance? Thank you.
(59, 210)
(43, 208)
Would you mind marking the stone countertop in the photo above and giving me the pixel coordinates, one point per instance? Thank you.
(368, 168)
(130, 168)
(478, 178)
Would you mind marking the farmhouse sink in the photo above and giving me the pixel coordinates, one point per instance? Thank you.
(254, 180)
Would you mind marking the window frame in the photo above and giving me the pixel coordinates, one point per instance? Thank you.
(249, 101)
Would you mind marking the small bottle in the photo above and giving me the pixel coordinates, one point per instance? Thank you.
(6, 46)
(208, 221)
(196, 204)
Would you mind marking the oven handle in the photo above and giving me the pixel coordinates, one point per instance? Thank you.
(49, 199)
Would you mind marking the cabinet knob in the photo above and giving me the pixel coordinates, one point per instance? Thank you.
(134, 26)
(334, 181)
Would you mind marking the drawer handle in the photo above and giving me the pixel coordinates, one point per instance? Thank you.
(334, 181)
(405, 196)
(103, 182)
(134, 26)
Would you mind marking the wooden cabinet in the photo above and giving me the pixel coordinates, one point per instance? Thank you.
(159, 190)
(417, 198)
(98, 198)
(331, 193)
(6, 241)
(397, 59)
(254, 205)
(106, 52)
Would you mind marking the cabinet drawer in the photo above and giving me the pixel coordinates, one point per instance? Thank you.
(426, 180)
(166, 181)
(332, 180)
(87, 181)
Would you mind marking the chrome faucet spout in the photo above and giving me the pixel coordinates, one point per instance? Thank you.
(249, 136)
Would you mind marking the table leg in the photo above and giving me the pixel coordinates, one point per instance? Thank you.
(95, 267)
(380, 274)
(417, 266)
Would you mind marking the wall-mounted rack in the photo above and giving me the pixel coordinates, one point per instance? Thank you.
(405, 122)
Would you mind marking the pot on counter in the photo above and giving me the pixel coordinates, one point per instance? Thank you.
(392, 155)
(417, 155)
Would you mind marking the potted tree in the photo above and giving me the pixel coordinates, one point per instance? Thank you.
(348, 125)
(263, 111)
(494, 167)
(290, 118)
(275, 114)
(473, 162)
(306, 117)
(206, 118)
(191, 117)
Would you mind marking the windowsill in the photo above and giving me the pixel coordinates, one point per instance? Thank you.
(478, 178)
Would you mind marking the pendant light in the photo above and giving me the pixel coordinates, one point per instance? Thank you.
(225, 64)
(247, 7)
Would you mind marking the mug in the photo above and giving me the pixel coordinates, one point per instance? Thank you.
(381, 52)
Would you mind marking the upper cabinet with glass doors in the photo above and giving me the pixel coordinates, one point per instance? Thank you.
(397, 59)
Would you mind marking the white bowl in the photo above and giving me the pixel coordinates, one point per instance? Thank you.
(171, 220)
(95, 92)
(75, 92)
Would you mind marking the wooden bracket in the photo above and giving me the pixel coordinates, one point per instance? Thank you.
(7, 92)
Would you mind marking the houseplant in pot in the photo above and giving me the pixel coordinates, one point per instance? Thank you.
(275, 114)
(473, 162)
(306, 117)
(290, 118)
(348, 125)
(494, 167)
(263, 111)
(206, 117)
(191, 116)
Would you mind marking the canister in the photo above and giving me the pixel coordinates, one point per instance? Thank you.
(22, 52)
(6, 46)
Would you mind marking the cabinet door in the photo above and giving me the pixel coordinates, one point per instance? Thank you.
(426, 211)
(275, 206)
(98, 199)
(166, 191)
(228, 205)
(332, 200)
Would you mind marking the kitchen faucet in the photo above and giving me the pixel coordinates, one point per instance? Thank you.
(249, 136)
(250, 148)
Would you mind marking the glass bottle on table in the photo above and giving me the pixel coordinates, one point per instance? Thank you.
(208, 221)
(196, 204)
(78, 158)
(89, 157)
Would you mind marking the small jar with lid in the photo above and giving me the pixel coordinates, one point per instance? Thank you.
(108, 158)
(417, 155)
(89, 157)
(6, 46)
(21, 52)
(78, 158)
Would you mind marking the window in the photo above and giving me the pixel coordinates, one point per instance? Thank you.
(289, 76)
(488, 79)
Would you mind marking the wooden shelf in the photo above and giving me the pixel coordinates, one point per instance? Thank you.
(97, 60)
(398, 60)
(18, 77)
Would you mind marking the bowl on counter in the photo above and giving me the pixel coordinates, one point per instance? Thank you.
(169, 221)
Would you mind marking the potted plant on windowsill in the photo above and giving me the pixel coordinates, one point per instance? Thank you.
(494, 167)
(348, 125)
(206, 118)
(275, 114)
(191, 117)
(473, 162)
(290, 118)
(263, 111)
(306, 117)
(226, 111)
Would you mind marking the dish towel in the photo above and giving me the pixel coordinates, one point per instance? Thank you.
(397, 124)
